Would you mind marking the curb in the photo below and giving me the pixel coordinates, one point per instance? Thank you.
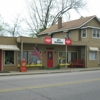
(46, 72)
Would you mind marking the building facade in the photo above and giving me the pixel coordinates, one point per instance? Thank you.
(85, 36)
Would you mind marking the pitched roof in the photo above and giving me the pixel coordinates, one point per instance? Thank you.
(68, 25)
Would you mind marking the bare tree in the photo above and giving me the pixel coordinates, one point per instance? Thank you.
(44, 13)
(3, 26)
(15, 27)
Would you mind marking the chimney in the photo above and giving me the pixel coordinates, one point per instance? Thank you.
(59, 22)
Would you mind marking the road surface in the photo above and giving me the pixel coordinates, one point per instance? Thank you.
(58, 86)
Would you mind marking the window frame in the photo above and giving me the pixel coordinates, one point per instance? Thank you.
(30, 57)
(67, 35)
(94, 58)
(11, 64)
(64, 54)
(82, 36)
(19, 57)
(95, 32)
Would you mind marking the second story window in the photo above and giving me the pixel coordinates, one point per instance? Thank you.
(96, 33)
(83, 33)
(67, 35)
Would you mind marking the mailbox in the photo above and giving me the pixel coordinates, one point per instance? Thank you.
(23, 65)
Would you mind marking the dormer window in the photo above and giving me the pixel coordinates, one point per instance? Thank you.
(83, 33)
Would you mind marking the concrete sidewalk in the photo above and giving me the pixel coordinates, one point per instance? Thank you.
(47, 71)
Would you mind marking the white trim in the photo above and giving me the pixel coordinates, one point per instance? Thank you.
(64, 30)
(90, 27)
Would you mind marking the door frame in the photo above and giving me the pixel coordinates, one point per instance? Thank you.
(52, 58)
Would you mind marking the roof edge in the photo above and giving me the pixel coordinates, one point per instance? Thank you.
(88, 20)
(71, 28)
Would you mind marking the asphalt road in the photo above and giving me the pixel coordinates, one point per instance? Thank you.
(59, 86)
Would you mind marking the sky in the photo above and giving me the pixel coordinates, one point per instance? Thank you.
(9, 8)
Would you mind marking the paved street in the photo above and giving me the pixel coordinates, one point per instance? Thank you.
(59, 86)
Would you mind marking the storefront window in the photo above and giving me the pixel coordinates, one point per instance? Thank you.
(9, 57)
(71, 56)
(25, 56)
(62, 57)
(19, 57)
(33, 58)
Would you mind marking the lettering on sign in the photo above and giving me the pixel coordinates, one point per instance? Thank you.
(58, 41)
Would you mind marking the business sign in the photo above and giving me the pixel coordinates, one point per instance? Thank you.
(68, 41)
(48, 40)
(58, 41)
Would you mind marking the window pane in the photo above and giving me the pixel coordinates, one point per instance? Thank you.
(19, 57)
(83, 32)
(49, 55)
(9, 57)
(94, 32)
(98, 33)
(62, 57)
(33, 57)
(73, 56)
(93, 55)
(25, 56)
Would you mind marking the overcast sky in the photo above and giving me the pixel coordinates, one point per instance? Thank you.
(8, 8)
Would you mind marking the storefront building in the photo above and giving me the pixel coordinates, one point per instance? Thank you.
(84, 34)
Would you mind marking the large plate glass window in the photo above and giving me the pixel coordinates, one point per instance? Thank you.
(9, 57)
(62, 57)
(33, 58)
(71, 56)
(25, 56)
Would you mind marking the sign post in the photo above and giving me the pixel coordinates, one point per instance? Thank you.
(68, 42)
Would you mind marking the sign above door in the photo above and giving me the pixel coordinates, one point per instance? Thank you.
(48, 40)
